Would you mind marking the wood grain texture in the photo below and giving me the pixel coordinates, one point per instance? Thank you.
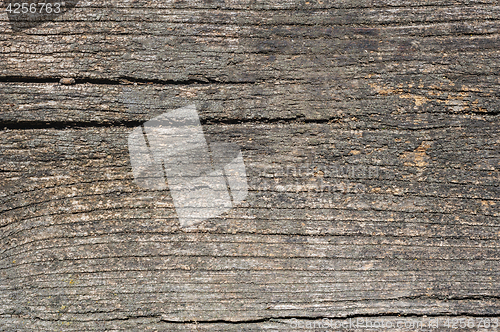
(370, 136)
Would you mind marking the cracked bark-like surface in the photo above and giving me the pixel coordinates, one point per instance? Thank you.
(370, 135)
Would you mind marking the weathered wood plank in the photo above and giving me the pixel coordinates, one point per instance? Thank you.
(360, 323)
(247, 46)
(416, 102)
(369, 131)
(77, 229)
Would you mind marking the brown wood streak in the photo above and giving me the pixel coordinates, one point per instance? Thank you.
(370, 135)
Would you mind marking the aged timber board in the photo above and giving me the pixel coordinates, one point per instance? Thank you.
(369, 132)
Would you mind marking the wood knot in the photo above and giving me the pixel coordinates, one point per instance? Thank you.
(67, 81)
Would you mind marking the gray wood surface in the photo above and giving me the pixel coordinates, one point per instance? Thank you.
(370, 135)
